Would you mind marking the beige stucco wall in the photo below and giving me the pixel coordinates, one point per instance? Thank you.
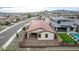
(50, 36)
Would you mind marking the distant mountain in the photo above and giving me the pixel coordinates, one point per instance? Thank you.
(64, 11)
(6, 14)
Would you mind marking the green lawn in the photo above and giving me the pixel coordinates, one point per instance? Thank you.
(66, 38)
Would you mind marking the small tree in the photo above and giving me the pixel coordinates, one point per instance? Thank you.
(17, 35)
(1, 24)
(6, 23)
(17, 19)
(24, 28)
(28, 15)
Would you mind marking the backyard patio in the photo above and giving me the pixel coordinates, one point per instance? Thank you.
(34, 42)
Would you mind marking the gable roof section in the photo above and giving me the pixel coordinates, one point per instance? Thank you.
(40, 24)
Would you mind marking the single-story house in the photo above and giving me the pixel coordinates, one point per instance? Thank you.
(39, 34)
(40, 30)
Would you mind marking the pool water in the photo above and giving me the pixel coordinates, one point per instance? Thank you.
(75, 35)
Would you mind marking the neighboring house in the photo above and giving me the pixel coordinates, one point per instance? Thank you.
(46, 18)
(62, 24)
(77, 24)
(2, 19)
(62, 13)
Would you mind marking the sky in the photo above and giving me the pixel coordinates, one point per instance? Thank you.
(21, 9)
(35, 9)
(37, 5)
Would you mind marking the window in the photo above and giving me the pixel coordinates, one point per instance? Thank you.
(58, 22)
(71, 29)
(46, 35)
(78, 40)
(39, 35)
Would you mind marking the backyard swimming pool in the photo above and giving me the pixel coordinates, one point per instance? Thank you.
(75, 35)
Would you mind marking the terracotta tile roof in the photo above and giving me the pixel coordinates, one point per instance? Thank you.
(40, 24)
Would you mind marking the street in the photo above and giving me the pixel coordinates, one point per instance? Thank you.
(6, 35)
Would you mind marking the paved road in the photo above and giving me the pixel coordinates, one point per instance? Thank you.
(6, 35)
